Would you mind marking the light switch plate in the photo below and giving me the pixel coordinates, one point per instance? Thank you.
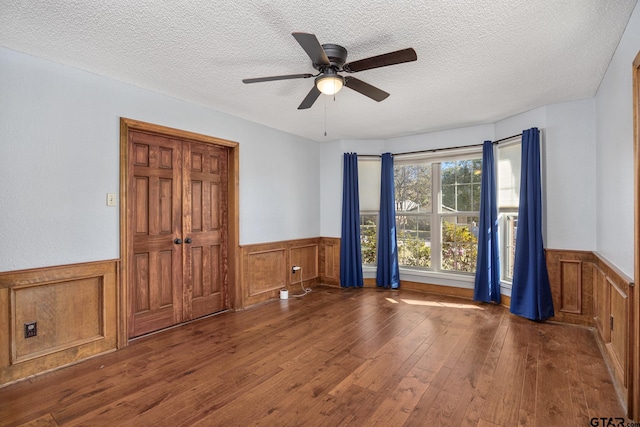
(111, 199)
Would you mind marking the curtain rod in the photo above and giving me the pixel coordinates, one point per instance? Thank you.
(443, 149)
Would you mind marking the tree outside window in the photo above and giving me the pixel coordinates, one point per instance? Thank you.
(437, 213)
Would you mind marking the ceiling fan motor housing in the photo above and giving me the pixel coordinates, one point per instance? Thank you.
(337, 56)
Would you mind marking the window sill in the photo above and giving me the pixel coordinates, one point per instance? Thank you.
(454, 280)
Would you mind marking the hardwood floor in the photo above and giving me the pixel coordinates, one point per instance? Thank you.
(335, 357)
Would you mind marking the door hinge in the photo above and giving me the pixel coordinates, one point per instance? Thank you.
(611, 323)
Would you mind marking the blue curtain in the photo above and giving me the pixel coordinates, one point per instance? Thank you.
(388, 270)
(531, 291)
(487, 284)
(350, 254)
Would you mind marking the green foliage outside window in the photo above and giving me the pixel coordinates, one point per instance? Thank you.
(415, 212)
(459, 247)
(461, 185)
(413, 251)
(368, 240)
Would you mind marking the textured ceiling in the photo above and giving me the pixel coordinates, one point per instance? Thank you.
(478, 60)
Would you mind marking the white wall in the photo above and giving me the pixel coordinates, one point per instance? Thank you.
(568, 165)
(470, 135)
(59, 156)
(614, 152)
(569, 156)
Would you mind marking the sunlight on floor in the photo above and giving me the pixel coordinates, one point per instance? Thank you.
(435, 303)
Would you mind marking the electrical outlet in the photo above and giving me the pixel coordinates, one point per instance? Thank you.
(30, 329)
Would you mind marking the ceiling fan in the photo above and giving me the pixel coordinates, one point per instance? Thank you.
(329, 60)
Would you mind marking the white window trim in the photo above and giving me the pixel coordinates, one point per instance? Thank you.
(436, 215)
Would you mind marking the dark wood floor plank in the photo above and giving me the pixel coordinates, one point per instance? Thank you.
(43, 421)
(375, 372)
(553, 398)
(597, 387)
(428, 398)
(500, 321)
(527, 412)
(449, 406)
(576, 338)
(502, 404)
(348, 357)
(399, 403)
(306, 401)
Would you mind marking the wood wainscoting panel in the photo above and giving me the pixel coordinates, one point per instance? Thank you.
(571, 279)
(68, 314)
(614, 302)
(618, 347)
(571, 286)
(330, 260)
(75, 310)
(265, 271)
(306, 257)
(267, 268)
(601, 304)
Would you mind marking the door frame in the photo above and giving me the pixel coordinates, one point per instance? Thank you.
(233, 229)
(633, 403)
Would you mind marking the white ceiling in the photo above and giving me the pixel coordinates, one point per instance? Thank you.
(478, 60)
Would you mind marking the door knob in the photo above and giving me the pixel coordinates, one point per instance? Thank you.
(177, 241)
(188, 240)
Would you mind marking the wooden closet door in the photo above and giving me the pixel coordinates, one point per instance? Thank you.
(155, 257)
(205, 229)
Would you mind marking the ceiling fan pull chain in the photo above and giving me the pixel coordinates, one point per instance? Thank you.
(325, 114)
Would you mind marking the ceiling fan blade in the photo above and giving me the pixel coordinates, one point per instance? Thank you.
(312, 46)
(391, 58)
(311, 97)
(365, 88)
(272, 78)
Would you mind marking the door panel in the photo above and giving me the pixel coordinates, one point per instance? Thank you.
(178, 190)
(205, 178)
(155, 281)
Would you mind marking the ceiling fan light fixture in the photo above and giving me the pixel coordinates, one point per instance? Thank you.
(329, 84)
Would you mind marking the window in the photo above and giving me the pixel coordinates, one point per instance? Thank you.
(369, 170)
(413, 189)
(368, 238)
(509, 223)
(438, 208)
(508, 187)
(460, 194)
(437, 212)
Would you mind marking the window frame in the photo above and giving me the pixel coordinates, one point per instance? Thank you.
(505, 212)
(507, 234)
(368, 194)
(436, 215)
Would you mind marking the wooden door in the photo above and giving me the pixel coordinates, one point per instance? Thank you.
(155, 278)
(178, 230)
(205, 229)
